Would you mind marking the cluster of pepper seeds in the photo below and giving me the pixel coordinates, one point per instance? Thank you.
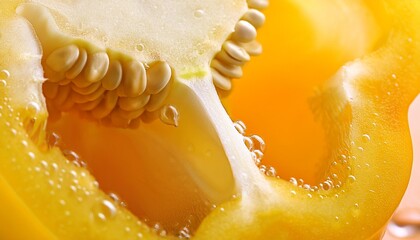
(104, 86)
(238, 49)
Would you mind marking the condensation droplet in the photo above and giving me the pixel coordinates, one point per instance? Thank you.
(240, 127)
(293, 181)
(33, 108)
(169, 115)
(199, 13)
(366, 138)
(140, 47)
(106, 210)
(31, 155)
(4, 74)
(184, 233)
(117, 199)
(394, 76)
(352, 179)
(249, 143)
(271, 172)
(3, 83)
(258, 142)
(53, 139)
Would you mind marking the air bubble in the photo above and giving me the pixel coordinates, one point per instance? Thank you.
(3, 83)
(169, 115)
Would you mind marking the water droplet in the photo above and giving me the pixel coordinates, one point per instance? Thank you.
(140, 47)
(326, 185)
(352, 179)
(31, 155)
(169, 115)
(4, 74)
(53, 140)
(54, 166)
(249, 143)
(394, 76)
(13, 131)
(199, 13)
(33, 108)
(71, 155)
(293, 181)
(184, 233)
(254, 157)
(44, 164)
(271, 172)
(240, 127)
(117, 199)
(258, 142)
(73, 188)
(3, 83)
(106, 210)
(263, 169)
(293, 192)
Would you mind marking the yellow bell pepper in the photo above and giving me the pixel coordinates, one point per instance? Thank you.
(362, 111)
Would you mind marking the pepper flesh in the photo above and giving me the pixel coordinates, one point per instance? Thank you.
(375, 91)
(281, 214)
